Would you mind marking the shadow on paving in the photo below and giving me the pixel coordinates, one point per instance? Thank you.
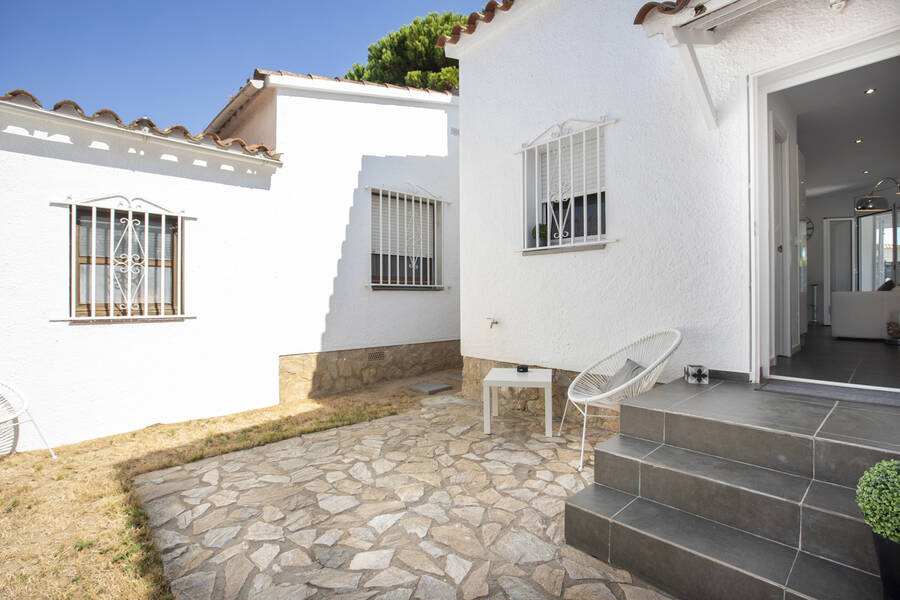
(415, 505)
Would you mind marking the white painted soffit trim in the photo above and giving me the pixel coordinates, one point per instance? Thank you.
(140, 136)
(686, 23)
(344, 88)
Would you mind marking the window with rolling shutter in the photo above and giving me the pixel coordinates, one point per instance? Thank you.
(406, 240)
(564, 187)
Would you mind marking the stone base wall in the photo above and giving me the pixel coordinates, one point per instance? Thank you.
(318, 374)
(529, 400)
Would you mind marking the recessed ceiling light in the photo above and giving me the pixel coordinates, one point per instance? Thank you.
(870, 91)
(802, 182)
(859, 140)
(865, 172)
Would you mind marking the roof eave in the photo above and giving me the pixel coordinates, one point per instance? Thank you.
(450, 43)
(145, 135)
(344, 88)
(237, 103)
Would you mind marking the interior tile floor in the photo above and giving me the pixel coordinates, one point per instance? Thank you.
(864, 362)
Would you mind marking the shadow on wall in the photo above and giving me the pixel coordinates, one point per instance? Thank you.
(28, 134)
(389, 332)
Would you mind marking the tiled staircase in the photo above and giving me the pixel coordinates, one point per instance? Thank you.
(725, 492)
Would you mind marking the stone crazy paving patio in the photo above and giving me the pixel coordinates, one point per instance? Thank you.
(418, 505)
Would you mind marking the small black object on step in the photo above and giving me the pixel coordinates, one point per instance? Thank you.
(522, 368)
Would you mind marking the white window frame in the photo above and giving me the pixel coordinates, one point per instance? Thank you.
(123, 257)
(418, 209)
(565, 144)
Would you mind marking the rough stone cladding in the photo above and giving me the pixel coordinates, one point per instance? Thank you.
(530, 400)
(322, 373)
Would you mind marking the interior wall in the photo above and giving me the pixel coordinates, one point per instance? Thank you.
(817, 209)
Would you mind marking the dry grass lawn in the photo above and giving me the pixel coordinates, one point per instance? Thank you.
(71, 527)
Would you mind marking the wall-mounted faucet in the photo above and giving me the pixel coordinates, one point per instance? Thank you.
(492, 321)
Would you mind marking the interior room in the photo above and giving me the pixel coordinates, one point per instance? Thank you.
(834, 170)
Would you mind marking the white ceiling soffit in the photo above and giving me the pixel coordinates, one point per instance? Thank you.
(834, 112)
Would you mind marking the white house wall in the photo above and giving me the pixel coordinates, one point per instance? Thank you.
(677, 192)
(88, 380)
(333, 148)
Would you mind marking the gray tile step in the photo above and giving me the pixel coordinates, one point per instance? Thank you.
(761, 501)
(833, 527)
(757, 500)
(696, 558)
(831, 441)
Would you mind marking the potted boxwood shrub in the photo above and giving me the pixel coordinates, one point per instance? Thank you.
(878, 497)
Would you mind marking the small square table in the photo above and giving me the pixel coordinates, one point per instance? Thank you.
(534, 378)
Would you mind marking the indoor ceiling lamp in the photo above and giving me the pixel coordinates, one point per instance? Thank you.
(872, 202)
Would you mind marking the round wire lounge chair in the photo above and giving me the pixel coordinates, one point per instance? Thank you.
(625, 374)
(14, 412)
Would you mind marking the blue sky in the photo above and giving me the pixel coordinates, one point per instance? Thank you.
(178, 62)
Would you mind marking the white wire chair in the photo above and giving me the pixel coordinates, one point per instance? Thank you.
(14, 412)
(609, 381)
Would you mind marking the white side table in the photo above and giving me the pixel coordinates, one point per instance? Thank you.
(534, 378)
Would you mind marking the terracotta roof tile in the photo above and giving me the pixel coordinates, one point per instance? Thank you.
(109, 117)
(262, 73)
(486, 16)
(666, 8)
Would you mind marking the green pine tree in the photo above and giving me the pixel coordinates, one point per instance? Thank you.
(410, 57)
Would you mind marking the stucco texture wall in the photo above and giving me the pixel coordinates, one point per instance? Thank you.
(88, 380)
(335, 148)
(276, 263)
(677, 192)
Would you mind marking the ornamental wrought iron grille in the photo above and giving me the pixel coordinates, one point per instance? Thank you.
(126, 259)
(563, 186)
(407, 241)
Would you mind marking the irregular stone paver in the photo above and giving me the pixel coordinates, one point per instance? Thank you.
(519, 588)
(418, 505)
(549, 578)
(374, 560)
(589, 591)
(430, 588)
(391, 577)
(196, 586)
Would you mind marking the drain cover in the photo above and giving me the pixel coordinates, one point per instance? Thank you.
(430, 387)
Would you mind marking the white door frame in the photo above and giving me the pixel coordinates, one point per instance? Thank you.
(826, 263)
(780, 333)
(850, 53)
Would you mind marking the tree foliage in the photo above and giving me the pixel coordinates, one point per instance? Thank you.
(410, 57)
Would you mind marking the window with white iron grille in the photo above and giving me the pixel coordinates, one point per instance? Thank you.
(126, 260)
(406, 241)
(564, 187)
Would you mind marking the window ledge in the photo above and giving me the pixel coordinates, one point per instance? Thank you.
(110, 320)
(406, 288)
(598, 245)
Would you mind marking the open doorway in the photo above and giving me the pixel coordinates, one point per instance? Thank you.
(833, 170)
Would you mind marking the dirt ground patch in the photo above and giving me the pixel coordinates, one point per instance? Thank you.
(72, 528)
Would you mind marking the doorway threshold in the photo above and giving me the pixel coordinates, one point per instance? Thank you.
(833, 390)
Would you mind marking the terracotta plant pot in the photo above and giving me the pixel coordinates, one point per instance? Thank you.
(888, 553)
